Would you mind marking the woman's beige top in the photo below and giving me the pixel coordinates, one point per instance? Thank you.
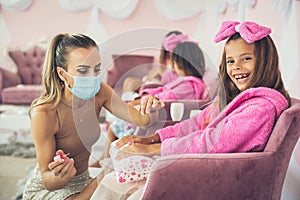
(79, 129)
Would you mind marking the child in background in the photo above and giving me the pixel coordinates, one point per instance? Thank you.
(160, 75)
(251, 98)
(163, 73)
(188, 62)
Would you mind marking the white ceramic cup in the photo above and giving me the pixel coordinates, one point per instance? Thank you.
(176, 111)
(194, 112)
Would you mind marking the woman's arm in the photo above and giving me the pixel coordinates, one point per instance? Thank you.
(44, 126)
(113, 103)
(178, 130)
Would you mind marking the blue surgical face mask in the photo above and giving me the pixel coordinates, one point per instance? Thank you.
(85, 87)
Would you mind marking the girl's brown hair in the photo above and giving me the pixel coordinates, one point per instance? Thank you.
(164, 54)
(266, 72)
(190, 58)
(57, 55)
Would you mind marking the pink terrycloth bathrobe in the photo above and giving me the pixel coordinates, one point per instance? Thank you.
(244, 125)
(187, 88)
(168, 76)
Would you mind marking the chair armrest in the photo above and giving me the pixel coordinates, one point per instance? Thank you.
(150, 85)
(189, 105)
(8, 79)
(164, 116)
(211, 176)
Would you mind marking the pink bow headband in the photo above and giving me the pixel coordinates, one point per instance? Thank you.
(170, 42)
(249, 31)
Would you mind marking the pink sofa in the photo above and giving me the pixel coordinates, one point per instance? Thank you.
(25, 85)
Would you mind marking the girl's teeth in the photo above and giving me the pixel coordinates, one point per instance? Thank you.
(240, 76)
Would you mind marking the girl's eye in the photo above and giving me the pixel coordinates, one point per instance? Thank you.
(247, 58)
(229, 61)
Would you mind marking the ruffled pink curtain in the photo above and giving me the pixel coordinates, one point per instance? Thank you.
(180, 9)
(18, 5)
(114, 8)
(14, 5)
(237, 6)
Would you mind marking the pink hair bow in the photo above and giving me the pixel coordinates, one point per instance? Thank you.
(249, 31)
(170, 42)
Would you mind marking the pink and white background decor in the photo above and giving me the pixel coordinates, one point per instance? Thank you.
(27, 21)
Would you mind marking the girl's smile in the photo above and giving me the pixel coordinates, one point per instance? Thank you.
(240, 62)
(242, 78)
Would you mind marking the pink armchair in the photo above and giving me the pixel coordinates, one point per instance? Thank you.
(164, 117)
(25, 85)
(258, 175)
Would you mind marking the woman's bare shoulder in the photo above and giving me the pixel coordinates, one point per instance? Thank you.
(47, 110)
(44, 117)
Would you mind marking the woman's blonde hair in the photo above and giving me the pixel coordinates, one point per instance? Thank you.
(57, 55)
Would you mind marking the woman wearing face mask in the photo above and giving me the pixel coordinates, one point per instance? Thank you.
(64, 119)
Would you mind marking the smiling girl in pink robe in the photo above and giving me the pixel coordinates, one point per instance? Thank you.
(250, 100)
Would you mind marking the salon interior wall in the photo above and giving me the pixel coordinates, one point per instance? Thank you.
(44, 18)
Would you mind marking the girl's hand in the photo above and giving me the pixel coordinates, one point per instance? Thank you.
(130, 139)
(149, 103)
(139, 149)
(62, 165)
(133, 139)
